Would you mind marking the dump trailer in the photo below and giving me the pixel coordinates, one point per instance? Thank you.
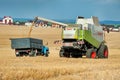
(85, 38)
(29, 46)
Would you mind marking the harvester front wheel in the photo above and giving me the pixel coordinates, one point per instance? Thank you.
(103, 52)
(61, 53)
(91, 53)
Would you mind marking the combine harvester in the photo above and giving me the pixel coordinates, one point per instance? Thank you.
(85, 38)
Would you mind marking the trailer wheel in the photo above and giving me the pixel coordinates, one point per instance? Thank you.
(103, 52)
(17, 54)
(91, 53)
(32, 53)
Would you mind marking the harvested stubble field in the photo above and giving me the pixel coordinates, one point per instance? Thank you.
(54, 67)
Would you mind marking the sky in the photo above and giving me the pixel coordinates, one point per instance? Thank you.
(61, 9)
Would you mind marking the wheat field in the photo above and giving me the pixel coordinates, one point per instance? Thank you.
(54, 67)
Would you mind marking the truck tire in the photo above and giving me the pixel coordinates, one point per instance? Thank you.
(103, 52)
(46, 55)
(91, 53)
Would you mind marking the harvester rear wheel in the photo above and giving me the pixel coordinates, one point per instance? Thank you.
(91, 53)
(103, 52)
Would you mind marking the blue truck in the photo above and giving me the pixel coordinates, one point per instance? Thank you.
(29, 47)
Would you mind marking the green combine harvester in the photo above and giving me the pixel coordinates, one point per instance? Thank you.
(85, 38)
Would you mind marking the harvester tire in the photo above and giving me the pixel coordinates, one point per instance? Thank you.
(67, 54)
(91, 53)
(61, 53)
(103, 52)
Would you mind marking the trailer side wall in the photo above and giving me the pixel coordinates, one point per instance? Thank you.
(19, 43)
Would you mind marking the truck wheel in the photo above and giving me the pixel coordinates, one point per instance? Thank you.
(46, 55)
(91, 53)
(103, 52)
